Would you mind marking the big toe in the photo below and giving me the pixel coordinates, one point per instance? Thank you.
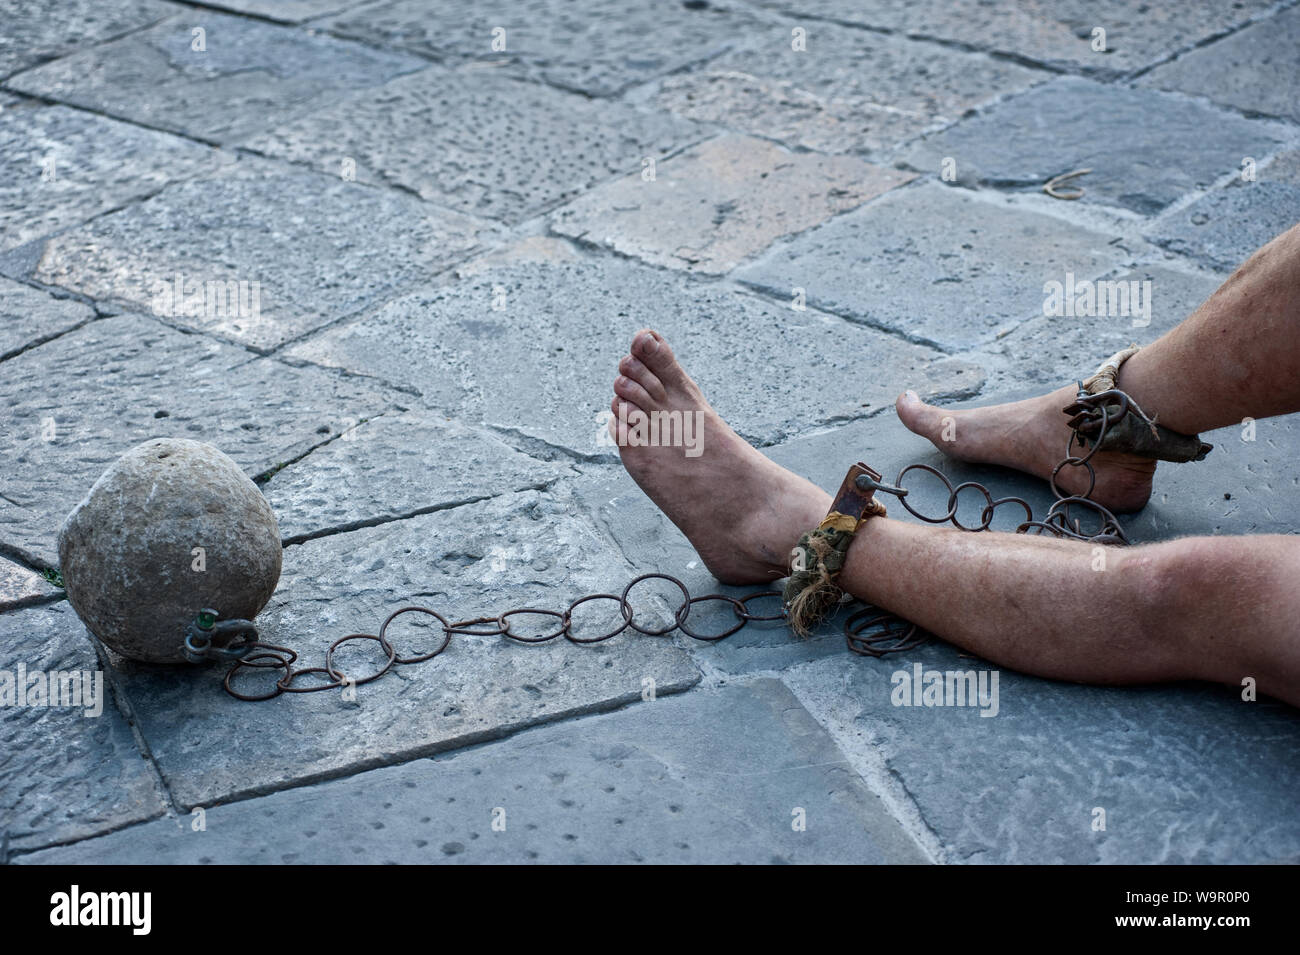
(919, 417)
(655, 353)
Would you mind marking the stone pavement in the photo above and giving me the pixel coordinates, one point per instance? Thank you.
(434, 227)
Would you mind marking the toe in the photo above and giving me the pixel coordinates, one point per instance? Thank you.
(652, 351)
(647, 379)
(920, 418)
(632, 391)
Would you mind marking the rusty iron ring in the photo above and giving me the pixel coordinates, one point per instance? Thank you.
(506, 632)
(419, 658)
(624, 610)
(245, 662)
(736, 605)
(678, 617)
(343, 678)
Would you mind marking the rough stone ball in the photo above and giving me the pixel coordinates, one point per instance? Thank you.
(172, 527)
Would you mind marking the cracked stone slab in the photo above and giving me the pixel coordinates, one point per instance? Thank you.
(528, 549)
(721, 202)
(569, 323)
(309, 249)
(395, 465)
(848, 91)
(29, 316)
(34, 32)
(533, 146)
(65, 775)
(286, 11)
(599, 47)
(20, 587)
(1223, 228)
(1058, 34)
(238, 76)
(934, 264)
(77, 403)
(573, 793)
(1145, 149)
(1186, 773)
(1054, 350)
(1253, 70)
(60, 167)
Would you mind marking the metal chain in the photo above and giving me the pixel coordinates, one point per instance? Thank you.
(868, 630)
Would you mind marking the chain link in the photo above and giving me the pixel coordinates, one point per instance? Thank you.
(868, 630)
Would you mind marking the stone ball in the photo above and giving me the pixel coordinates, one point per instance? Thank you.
(172, 527)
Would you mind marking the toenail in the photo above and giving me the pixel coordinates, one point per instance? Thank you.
(648, 343)
(909, 393)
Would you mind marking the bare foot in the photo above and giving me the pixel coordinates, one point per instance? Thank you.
(1030, 436)
(742, 512)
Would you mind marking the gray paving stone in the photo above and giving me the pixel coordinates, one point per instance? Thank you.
(566, 324)
(598, 47)
(848, 91)
(104, 388)
(721, 202)
(1058, 34)
(1255, 69)
(519, 550)
(314, 248)
(34, 32)
(286, 11)
(575, 793)
(532, 146)
(1145, 149)
(29, 316)
(396, 465)
(934, 264)
(249, 76)
(64, 775)
(1051, 351)
(1222, 228)
(1185, 773)
(98, 164)
(20, 587)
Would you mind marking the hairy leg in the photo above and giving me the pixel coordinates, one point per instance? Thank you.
(1236, 356)
(1209, 608)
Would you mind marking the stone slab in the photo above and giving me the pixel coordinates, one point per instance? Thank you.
(313, 247)
(98, 164)
(248, 75)
(532, 147)
(20, 587)
(641, 786)
(599, 47)
(569, 322)
(1223, 228)
(721, 202)
(75, 404)
(395, 465)
(64, 775)
(34, 32)
(934, 264)
(1185, 773)
(286, 11)
(1059, 35)
(847, 91)
(29, 316)
(529, 549)
(1145, 149)
(1051, 351)
(1254, 69)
